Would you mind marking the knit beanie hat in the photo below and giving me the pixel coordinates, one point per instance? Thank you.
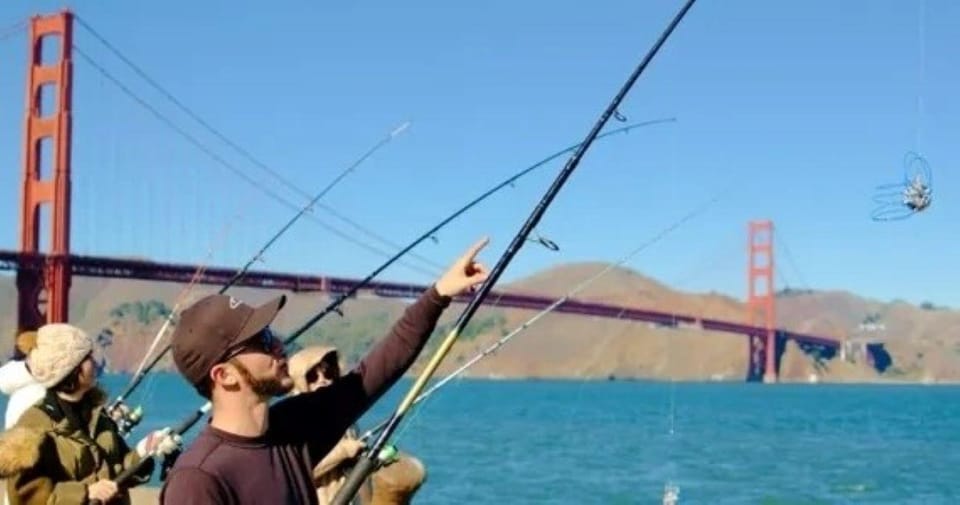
(60, 348)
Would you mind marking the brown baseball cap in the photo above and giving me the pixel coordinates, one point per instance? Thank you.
(213, 325)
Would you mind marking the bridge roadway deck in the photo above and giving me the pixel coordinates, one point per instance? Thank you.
(95, 266)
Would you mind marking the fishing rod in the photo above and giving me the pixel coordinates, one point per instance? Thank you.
(368, 462)
(334, 306)
(553, 306)
(125, 418)
(198, 414)
(138, 378)
(194, 279)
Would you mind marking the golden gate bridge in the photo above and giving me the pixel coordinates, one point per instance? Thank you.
(43, 277)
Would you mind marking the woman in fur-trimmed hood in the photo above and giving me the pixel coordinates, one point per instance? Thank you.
(394, 484)
(16, 381)
(65, 449)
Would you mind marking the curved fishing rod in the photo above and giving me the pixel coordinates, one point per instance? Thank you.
(138, 378)
(334, 306)
(127, 419)
(368, 462)
(198, 414)
(553, 306)
(182, 296)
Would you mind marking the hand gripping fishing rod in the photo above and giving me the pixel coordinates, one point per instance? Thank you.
(367, 463)
(140, 375)
(553, 306)
(198, 414)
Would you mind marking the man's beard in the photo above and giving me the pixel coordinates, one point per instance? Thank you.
(268, 388)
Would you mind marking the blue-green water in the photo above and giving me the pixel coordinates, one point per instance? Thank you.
(492, 442)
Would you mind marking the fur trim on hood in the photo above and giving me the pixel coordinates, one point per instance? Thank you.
(20, 446)
(19, 450)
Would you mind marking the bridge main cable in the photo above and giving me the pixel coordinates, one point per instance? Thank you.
(226, 164)
(244, 153)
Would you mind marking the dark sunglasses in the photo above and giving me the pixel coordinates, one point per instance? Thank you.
(263, 342)
(329, 368)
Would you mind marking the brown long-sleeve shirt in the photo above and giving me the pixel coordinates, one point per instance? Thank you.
(226, 469)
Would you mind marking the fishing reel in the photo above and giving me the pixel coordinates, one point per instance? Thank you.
(389, 454)
(125, 418)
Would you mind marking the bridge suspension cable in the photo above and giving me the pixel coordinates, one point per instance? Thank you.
(12, 30)
(230, 166)
(782, 245)
(244, 153)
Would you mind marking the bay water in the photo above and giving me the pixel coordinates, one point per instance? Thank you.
(491, 442)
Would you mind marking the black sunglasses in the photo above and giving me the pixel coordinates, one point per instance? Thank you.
(329, 368)
(264, 341)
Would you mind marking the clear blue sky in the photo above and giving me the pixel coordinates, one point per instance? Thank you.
(803, 106)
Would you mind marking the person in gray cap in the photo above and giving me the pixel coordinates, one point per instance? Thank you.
(254, 452)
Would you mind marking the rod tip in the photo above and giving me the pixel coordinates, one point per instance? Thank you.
(400, 129)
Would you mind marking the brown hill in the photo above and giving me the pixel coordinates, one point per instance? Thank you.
(924, 343)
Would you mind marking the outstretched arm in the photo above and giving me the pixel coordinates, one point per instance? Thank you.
(321, 417)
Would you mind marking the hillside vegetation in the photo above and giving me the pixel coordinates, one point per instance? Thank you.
(923, 341)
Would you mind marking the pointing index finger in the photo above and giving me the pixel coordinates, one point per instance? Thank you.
(476, 248)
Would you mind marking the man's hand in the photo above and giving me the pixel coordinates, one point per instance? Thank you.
(465, 274)
(102, 491)
(160, 442)
(119, 412)
(352, 447)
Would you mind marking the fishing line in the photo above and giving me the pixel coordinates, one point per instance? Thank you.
(565, 299)
(921, 72)
(259, 254)
(671, 490)
(369, 461)
(334, 306)
(198, 414)
(491, 309)
(129, 420)
(577, 404)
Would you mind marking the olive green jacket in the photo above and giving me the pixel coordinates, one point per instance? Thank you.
(47, 459)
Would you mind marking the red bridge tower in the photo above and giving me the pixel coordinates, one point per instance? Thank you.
(760, 301)
(43, 288)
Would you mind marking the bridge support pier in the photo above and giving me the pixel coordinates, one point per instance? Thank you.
(43, 287)
(760, 297)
